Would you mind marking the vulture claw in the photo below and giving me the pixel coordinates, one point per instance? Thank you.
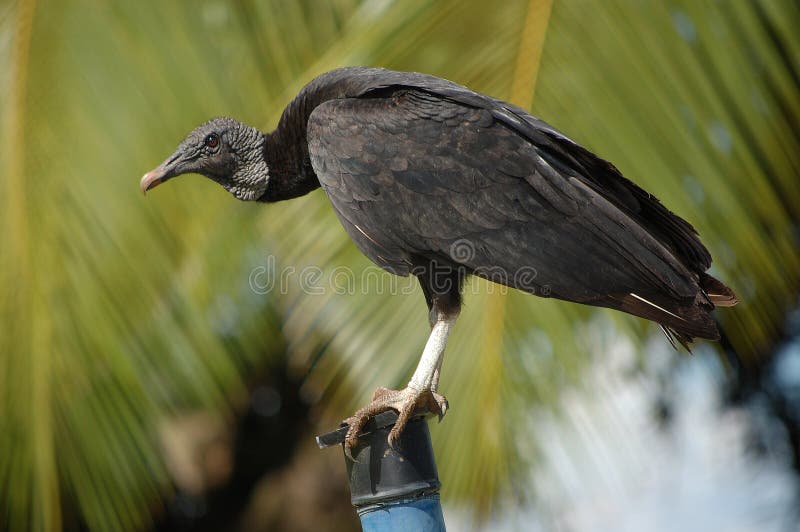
(348, 452)
(407, 402)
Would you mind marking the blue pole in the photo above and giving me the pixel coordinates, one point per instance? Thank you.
(424, 513)
(393, 489)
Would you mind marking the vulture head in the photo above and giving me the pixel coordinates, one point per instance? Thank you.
(224, 150)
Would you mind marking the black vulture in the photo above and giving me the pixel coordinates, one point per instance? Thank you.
(432, 179)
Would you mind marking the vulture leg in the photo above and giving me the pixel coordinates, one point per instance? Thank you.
(420, 395)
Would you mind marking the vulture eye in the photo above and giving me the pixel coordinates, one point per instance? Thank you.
(212, 141)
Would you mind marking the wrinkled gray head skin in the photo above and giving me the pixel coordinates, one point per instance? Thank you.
(224, 150)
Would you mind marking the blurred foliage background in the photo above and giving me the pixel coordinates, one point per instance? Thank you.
(131, 327)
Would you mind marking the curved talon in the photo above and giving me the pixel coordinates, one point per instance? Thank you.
(400, 425)
(356, 422)
(351, 438)
(348, 453)
(443, 405)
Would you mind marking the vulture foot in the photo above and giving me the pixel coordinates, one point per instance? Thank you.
(406, 402)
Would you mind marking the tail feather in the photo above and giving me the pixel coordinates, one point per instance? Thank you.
(685, 321)
(719, 294)
(674, 336)
(681, 321)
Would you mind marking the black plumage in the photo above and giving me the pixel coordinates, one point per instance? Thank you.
(433, 179)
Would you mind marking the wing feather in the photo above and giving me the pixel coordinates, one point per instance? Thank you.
(412, 172)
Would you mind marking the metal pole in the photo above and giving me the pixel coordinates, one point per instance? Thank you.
(392, 489)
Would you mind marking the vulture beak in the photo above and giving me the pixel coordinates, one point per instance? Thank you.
(155, 177)
(151, 179)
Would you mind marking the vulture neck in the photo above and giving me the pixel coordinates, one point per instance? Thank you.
(286, 152)
(286, 149)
